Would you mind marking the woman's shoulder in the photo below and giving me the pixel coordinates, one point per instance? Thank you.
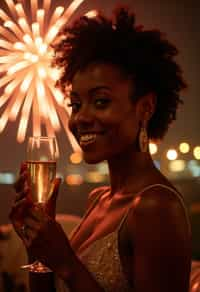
(159, 234)
(160, 206)
(162, 194)
(158, 198)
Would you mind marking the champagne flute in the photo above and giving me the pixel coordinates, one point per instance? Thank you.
(41, 163)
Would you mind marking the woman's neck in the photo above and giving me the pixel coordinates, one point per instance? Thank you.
(129, 169)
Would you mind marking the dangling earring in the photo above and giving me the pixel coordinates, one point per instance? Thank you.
(143, 139)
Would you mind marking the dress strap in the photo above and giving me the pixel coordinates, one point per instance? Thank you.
(137, 197)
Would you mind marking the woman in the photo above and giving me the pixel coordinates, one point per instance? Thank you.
(135, 235)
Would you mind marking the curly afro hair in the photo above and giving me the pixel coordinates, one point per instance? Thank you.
(145, 55)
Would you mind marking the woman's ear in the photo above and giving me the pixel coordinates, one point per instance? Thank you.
(147, 105)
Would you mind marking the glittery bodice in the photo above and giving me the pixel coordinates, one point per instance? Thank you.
(103, 261)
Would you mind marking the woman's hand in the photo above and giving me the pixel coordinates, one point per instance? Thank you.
(46, 240)
(42, 236)
(22, 202)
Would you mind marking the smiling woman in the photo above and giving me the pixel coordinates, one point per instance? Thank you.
(101, 118)
(135, 234)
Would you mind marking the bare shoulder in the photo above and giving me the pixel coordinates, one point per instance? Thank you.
(162, 208)
(160, 200)
(160, 236)
(159, 221)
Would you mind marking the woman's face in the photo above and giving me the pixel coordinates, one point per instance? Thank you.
(104, 118)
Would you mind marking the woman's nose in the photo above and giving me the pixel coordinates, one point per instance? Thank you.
(84, 117)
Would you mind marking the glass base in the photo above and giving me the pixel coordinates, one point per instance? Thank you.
(36, 267)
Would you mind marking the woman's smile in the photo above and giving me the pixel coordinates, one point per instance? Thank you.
(88, 139)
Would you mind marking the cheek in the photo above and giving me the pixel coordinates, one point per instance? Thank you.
(125, 132)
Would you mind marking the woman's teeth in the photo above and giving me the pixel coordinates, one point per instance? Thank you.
(88, 138)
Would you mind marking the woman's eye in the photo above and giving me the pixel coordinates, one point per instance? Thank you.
(75, 106)
(102, 102)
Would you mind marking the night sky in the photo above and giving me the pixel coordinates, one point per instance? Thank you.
(180, 20)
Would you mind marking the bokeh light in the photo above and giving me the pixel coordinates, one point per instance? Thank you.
(102, 167)
(172, 154)
(76, 157)
(196, 152)
(184, 147)
(74, 179)
(7, 178)
(94, 177)
(153, 148)
(177, 165)
(194, 168)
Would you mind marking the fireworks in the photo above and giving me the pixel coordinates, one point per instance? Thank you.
(27, 80)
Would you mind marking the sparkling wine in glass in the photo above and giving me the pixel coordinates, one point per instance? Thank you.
(41, 163)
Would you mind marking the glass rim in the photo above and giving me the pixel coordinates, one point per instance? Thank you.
(42, 137)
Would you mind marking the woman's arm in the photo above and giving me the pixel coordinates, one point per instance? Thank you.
(161, 239)
(48, 243)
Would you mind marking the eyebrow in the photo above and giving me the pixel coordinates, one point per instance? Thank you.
(91, 91)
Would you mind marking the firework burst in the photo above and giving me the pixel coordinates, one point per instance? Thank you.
(27, 80)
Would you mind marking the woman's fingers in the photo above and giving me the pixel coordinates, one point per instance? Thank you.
(19, 184)
(36, 225)
(24, 193)
(21, 204)
(27, 220)
(23, 167)
(31, 223)
(18, 212)
(23, 178)
(31, 229)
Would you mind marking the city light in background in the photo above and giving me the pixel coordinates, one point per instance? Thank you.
(167, 161)
(196, 152)
(184, 147)
(177, 165)
(183, 167)
(172, 154)
(27, 78)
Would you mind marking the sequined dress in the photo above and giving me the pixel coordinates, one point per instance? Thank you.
(102, 258)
